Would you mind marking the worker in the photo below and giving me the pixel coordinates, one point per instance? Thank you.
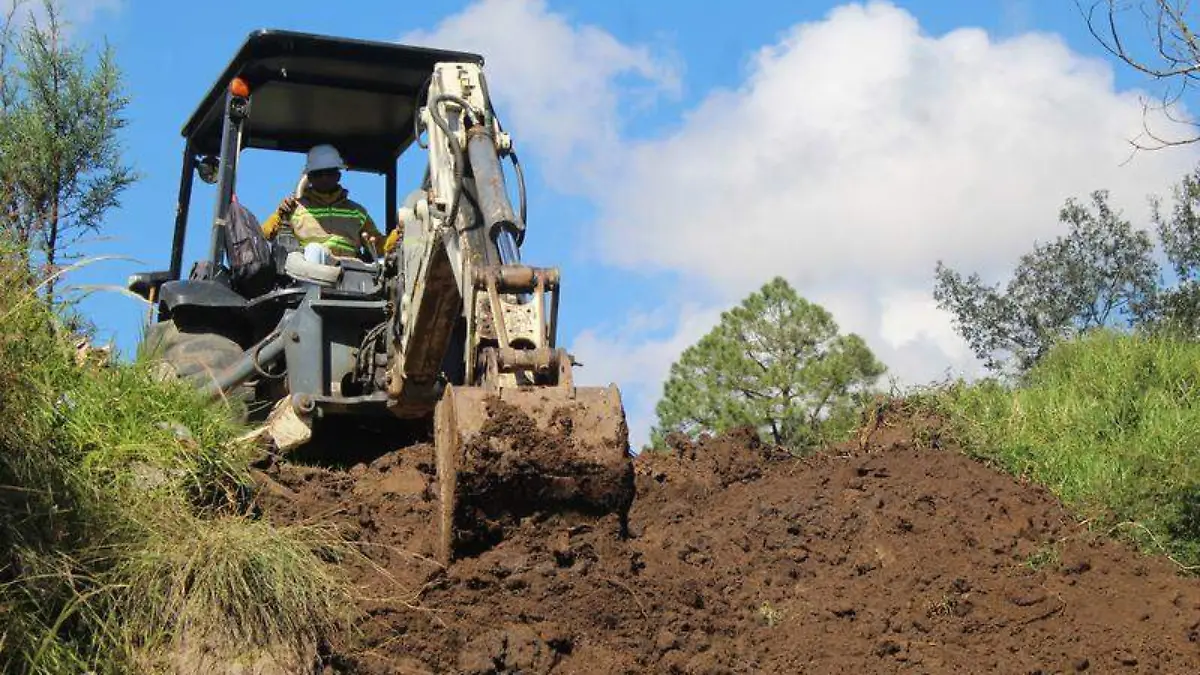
(325, 220)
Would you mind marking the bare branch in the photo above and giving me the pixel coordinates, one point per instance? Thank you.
(1173, 59)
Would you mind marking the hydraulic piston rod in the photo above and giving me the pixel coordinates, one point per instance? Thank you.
(499, 219)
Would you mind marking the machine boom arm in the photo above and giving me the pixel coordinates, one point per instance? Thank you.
(460, 229)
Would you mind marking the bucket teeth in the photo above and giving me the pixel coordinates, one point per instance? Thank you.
(508, 453)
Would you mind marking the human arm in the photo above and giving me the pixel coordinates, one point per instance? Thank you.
(281, 215)
(373, 238)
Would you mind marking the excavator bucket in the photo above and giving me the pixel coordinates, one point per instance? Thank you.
(507, 453)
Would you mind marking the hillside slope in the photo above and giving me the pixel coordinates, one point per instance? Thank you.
(878, 557)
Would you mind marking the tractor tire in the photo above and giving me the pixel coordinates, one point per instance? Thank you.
(196, 355)
(191, 354)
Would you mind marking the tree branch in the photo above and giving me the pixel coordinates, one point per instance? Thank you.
(1176, 45)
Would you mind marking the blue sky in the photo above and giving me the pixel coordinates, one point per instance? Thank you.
(679, 157)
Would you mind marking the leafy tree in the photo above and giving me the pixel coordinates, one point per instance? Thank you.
(61, 168)
(1177, 308)
(1101, 273)
(775, 362)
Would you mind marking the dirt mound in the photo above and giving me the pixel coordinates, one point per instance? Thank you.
(874, 558)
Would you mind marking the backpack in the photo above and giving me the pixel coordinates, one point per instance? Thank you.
(251, 265)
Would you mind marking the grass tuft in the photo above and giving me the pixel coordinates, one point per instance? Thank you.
(234, 581)
(123, 515)
(1110, 423)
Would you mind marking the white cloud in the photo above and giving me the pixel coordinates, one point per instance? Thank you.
(912, 316)
(860, 148)
(555, 81)
(856, 153)
(859, 151)
(906, 330)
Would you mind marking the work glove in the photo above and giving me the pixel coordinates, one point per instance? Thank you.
(287, 207)
(393, 238)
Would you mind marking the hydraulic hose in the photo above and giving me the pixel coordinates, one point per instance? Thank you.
(455, 147)
(475, 116)
(512, 153)
(452, 211)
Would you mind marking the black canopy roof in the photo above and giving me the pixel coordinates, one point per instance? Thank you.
(308, 89)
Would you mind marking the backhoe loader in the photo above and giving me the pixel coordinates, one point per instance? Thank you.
(451, 330)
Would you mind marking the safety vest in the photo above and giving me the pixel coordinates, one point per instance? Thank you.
(334, 221)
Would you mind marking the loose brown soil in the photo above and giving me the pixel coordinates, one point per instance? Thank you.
(877, 557)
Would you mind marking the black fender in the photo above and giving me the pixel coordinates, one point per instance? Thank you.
(201, 303)
(200, 294)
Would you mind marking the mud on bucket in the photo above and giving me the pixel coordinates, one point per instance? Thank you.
(503, 454)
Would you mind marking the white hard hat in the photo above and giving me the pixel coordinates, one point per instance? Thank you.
(323, 157)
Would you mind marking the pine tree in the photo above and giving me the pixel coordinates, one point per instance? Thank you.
(777, 363)
(61, 168)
